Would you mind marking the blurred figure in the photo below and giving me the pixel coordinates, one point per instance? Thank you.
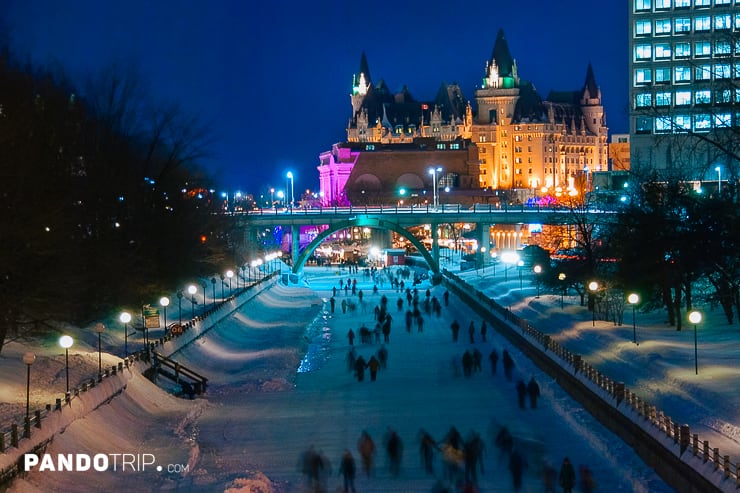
(508, 364)
(374, 365)
(517, 464)
(504, 441)
(588, 485)
(567, 476)
(426, 448)
(366, 447)
(548, 477)
(521, 393)
(494, 360)
(347, 470)
(534, 392)
(473, 450)
(394, 448)
(483, 330)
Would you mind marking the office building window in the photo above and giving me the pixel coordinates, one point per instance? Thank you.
(683, 98)
(643, 125)
(682, 123)
(722, 120)
(702, 3)
(703, 72)
(683, 50)
(662, 4)
(643, 76)
(702, 48)
(722, 22)
(682, 4)
(643, 100)
(662, 51)
(663, 75)
(702, 23)
(723, 96)
(736, 75)
(702, 122)
(663, 124)
(663, 26)
(683, 74)
(663, 98)
(643, 52)
(722, 71)
(722, 48)
(682, 25)
(737, 21)
(722, 2)
(643, 28)
(642, 5)
(703, 96)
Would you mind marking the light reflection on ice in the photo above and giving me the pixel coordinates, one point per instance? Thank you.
(318, 335)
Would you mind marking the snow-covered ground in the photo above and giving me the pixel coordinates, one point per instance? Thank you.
(260, 414)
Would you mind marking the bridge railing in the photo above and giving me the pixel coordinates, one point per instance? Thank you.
(424, 209)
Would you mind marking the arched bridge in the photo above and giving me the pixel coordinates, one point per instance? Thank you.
(397, 219)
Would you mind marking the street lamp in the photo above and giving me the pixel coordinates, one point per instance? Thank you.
(179, 307)
(222, 287)
(229, 275)
(281, 197)
(164, 302)
(191, 291)
(272, 197)
(213, 286)
(66, 342)
(28, 359)
(695, 318)
(226, 196)
(537, 272)
(519, 265)
(718, 169)
(99, 328)
(593, 286)
(433, 172)
(633, 300)
(509, 258)
(125, 318)
(292, 197)
(561, 278)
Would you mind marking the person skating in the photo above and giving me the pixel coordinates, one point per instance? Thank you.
(567, 476)
(373, 365)
(521, 393)
(494, 360)
(471, 332)
(534, 392)
(360, 365)
(427, 446)
(483, 330)
(394, 448)
(347, 470)
(455, 326)
(366, 448)
(508, 364)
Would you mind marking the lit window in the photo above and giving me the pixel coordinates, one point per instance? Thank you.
(722, 22)
(723, 96)
(682, 74)
(682, 25)
(722, 48)
(703, 96)
(643, 76)
(643, 28)
(722, 120)
(455, 146)
(643, 100)
(702, 121)
(682, 122)
(662, 124)
(702, 48)
(702, 23)
(662, 4)
(663, 99)
(683, 98)
(441, 147)
(642, 5)
(663, 75)
(737, 21)
(702, 3)
(643, 52)
(722, 71)
(722, 2)
(683, 50)
(682, 4)
(703, 72)
(663, 26)
(662, 51)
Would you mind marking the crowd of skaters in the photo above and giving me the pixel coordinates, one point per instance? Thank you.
(461, 459)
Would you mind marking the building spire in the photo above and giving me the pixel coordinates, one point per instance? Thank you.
(590, 89)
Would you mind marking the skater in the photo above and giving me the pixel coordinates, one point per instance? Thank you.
(473, 450)
(351, 337)
(508, 364)
(446, 296)
(332, 301)
(374, 366)
(427, 446)
(483, 330)
(567, 477)
(399, 304)
(521, 393)
(344, 306)
(587, 479)
(534, 392)
(548, 477)
(467, 363)
(494, 360)
(471, 332)
(351, 359)
(504, 442)
(477, 360)
(409, 320)
(394, 448)
(517, 464)
(366, 447)
(347, 470)
(360, 366)
(455, 330)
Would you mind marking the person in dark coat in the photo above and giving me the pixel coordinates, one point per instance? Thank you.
(471, 332)
(494, 360)
(455, 330)
(351, 359)
(587, 479)
(467, 363)
(473, 449)
(483, 330)
(508, 364)
(347, 469)
(477, 360)
(394, 448)
(351, 337)
(427, 445)
(332, 302)
(383, 356)
(374, 365)
(521, 392)
(366, 447)
(534, 392)
(446, 297)
(504, 441)
(517, 464)
(567, 476)
(360, 366)
(399, 304)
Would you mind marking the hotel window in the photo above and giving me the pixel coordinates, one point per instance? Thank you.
(722, 71)
(662, 4)
(702, 48)
(643, 100)
(722, 120)
(702, 121)
(662, 99)
(683, 98)
(643, 28)
(703, 96)
(662, 51)
(703, 72)
(683, 4)
(682, 25)
(683, 50)
(663, 26)
(642, 5)
(682, 122)
(722, 22)
(683, 74)
(722, 48)
(643, 52)
(702, 23)
(663, 75)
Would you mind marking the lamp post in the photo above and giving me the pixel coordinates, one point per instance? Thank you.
(537, 272)
(519, 265)
(272, 197)
(229, 275)
(99, 328)
(179, 307)
(213, 286)
(125, 318)
(226, 196)
(695, 318)
(633, 299)
(242, 269)
(292, 197)
(222, 287)
(435, 195)
(66, 342)
(593, 286)
(191, 291)
(561, 278)
(28, 359)
(204, 285)
(164, 302)
(718, 169)
(509, 258)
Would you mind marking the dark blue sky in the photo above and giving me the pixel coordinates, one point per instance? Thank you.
(274, 77)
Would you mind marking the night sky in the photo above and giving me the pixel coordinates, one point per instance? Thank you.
(274, 77)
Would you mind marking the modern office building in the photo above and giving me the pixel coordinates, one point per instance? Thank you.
(684, 87)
